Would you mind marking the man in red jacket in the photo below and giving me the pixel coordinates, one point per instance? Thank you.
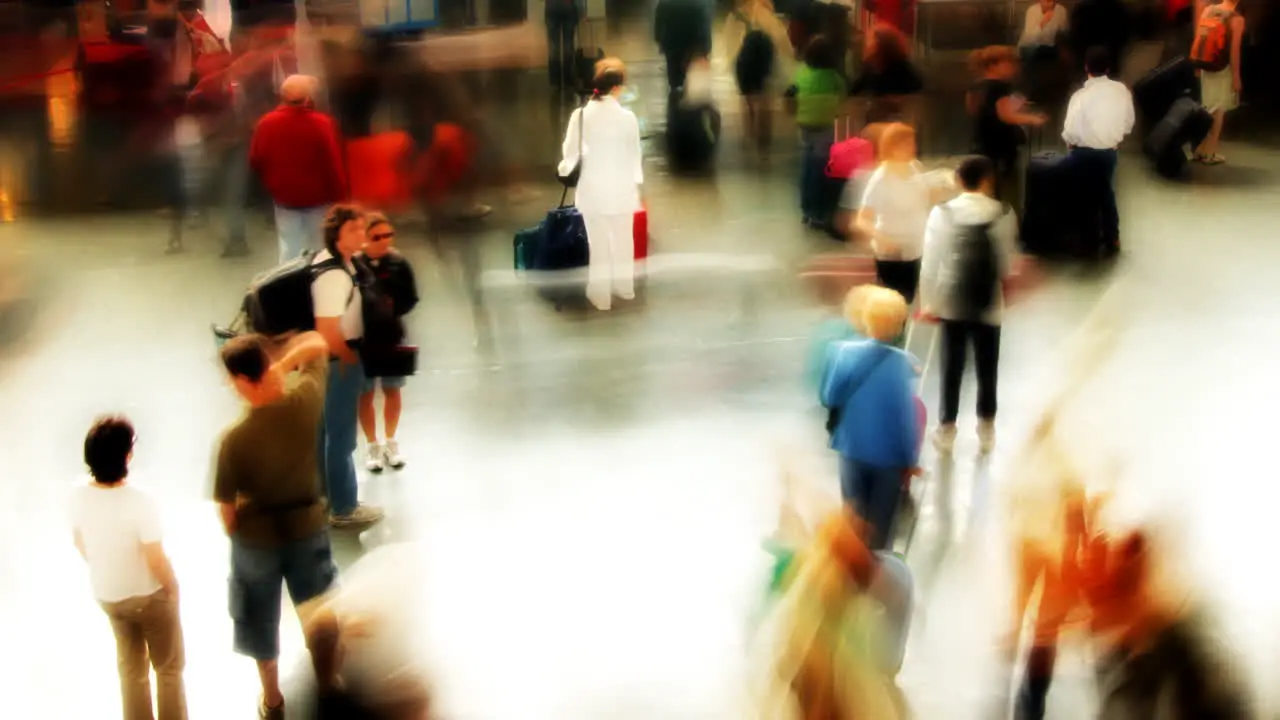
(295, 152)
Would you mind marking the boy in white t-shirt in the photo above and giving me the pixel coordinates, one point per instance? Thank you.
(117, 531)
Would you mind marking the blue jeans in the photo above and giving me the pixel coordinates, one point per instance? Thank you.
(305, 566)
(874, 492)
(299, 229)
(337, 437)
(816, 144)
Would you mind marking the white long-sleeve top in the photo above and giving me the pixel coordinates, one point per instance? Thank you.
(1099, 116)
(612, 171)
(1038, 32)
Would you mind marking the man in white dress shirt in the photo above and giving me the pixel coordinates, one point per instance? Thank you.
(1046, 20)
(1099, 117)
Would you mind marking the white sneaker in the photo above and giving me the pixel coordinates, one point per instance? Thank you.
(391, 453)
(373, 457)
(362, 518)
(986, 436)
(944, 438)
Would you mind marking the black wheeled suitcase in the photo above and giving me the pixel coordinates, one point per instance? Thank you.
(693, 133)
(1186, 123)
(1056, 209)
(1156, 92)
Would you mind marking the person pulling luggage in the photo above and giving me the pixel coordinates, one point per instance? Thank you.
(1099, 117)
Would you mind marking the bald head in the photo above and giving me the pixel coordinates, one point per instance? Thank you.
(298, 89)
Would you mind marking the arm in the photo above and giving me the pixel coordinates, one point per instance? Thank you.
(303, 350)
(1237, 41)
(225, 488)
(407, 291)
(1010, 112)
(835, 379)
(337, 164)
(330, 294)
(931, 260)
(257, 149)
(1005, 234)
(572, 139)
(1071, 125)
(79, 541)
(330, 328)
(160, 567)
(908, 423)
(637, 153)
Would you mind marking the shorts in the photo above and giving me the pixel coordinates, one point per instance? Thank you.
(305, 566)
(386, 383)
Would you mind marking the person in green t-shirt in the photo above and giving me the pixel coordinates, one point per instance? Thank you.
(815, 98)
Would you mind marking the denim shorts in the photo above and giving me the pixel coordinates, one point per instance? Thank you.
(305, 566)
(386, 383)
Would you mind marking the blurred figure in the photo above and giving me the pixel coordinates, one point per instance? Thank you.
(366, 638)
(833, 589)
(867, 388)
(895, 209)
(339, 304)
(815, 98)
(562, 18)
(682, 29)
(394, 294)
(1101, 23)
(1158, 655)
(856, 186)
(1046, 22)
(1216, 51)
(753, 35)
(844, 323)
(295, 151)
(887, 76)
(267, 485)
(603, 141)
(1099, 117)
(999, 117)
(117, 531)
(970, 250)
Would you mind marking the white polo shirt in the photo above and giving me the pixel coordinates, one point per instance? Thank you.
(1100, 115)
(333, 294)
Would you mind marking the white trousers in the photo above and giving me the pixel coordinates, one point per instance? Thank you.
(613, 266)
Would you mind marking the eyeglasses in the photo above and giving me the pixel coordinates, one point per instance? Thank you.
(379, 237)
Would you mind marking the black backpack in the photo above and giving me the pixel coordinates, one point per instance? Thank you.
(279, 300)
(976, 273)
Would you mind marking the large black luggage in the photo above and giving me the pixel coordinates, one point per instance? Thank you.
(556, 246)
(1156, 92)
(1186, 123)
(1059, 218)
(693, 134)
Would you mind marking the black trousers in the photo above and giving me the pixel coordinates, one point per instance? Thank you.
(957, 336)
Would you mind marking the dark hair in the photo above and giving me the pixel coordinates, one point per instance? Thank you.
(336, 219)
(974, 171)
(820, 53)
(246, 356)
(107, 448)
(887, 46)
(1097, 61)
(610, 74)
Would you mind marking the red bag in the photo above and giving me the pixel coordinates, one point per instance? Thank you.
(640, 233)
(377, 166)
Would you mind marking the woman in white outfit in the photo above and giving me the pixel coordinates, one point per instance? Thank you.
(603, 142)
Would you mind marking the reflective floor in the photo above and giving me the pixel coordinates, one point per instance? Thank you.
(587, 501)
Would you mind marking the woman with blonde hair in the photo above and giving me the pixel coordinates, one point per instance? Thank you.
(602, 159)
(895, 210)
(867, 387)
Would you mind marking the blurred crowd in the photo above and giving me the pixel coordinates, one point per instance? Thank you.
(923, 251)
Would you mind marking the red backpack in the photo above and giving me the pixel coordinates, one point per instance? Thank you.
(1212, 49)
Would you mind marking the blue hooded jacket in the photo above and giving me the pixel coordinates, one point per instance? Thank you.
(872, 384)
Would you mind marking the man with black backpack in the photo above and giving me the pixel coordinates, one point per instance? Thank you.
(970, 248)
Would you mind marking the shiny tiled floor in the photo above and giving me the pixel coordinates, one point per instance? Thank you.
(585, 504)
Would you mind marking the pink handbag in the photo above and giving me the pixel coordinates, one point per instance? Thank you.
(849, 155)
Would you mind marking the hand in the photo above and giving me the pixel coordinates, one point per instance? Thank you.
(883, 246)
(926, 316)
(1038, 120)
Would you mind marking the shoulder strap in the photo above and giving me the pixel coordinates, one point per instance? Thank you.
(885, 352)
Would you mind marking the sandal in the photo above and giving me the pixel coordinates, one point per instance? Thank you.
(1214, 159)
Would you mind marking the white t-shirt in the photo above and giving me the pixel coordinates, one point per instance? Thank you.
(333, 295)
(114, 523)
(901, 204)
